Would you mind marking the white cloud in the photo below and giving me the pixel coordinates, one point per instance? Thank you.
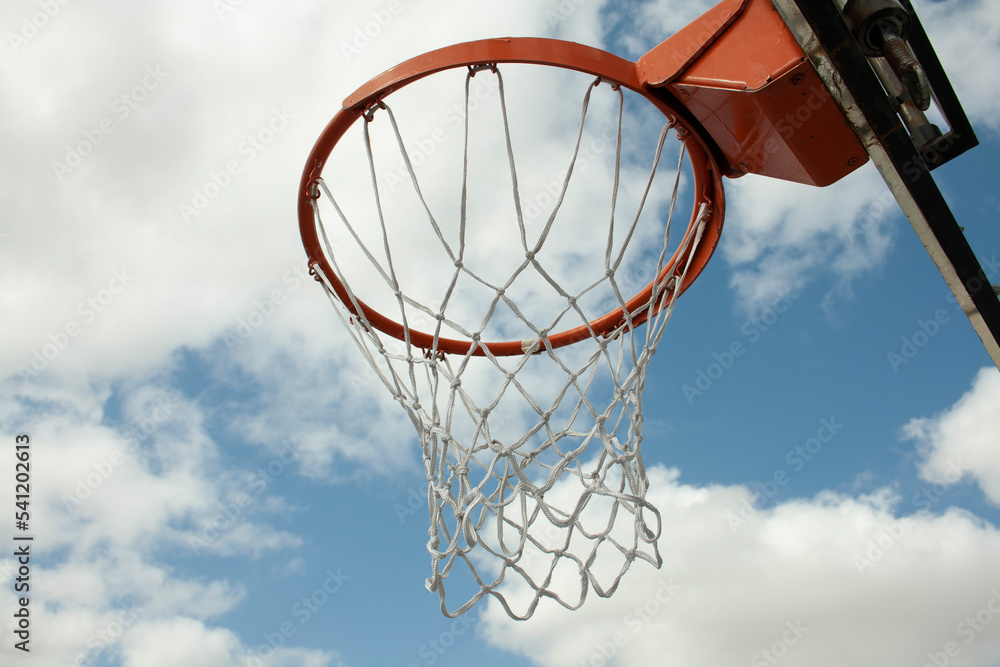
(825, 576)
(322, 403)
(184, 641)
(781, 236)
(119, 211)
(110, 498)
(653, 22)
(190, 283)
(106, 285)
(962, 441)
(952, 28)
(820, 581)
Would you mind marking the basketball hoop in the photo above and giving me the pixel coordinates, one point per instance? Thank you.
(468, 309)
(536, 486)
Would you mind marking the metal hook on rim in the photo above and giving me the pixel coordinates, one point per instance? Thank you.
(475, 69)
(369, 111)
(615, 86)
(314, 188)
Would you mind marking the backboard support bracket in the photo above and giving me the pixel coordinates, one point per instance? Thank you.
(823, 34)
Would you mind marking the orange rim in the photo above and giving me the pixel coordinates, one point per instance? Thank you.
(525, 50)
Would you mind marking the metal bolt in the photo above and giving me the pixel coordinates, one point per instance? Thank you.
(902, 61)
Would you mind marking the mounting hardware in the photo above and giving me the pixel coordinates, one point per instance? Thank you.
(882, 28)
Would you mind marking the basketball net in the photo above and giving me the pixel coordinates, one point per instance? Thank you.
(558, 507)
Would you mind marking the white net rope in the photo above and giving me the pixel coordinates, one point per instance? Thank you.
(534, 492)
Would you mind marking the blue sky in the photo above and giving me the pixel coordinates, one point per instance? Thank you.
(217, 482)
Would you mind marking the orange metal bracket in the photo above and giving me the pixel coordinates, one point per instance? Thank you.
(740, 72)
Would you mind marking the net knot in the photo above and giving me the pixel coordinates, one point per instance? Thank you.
(499, 447)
